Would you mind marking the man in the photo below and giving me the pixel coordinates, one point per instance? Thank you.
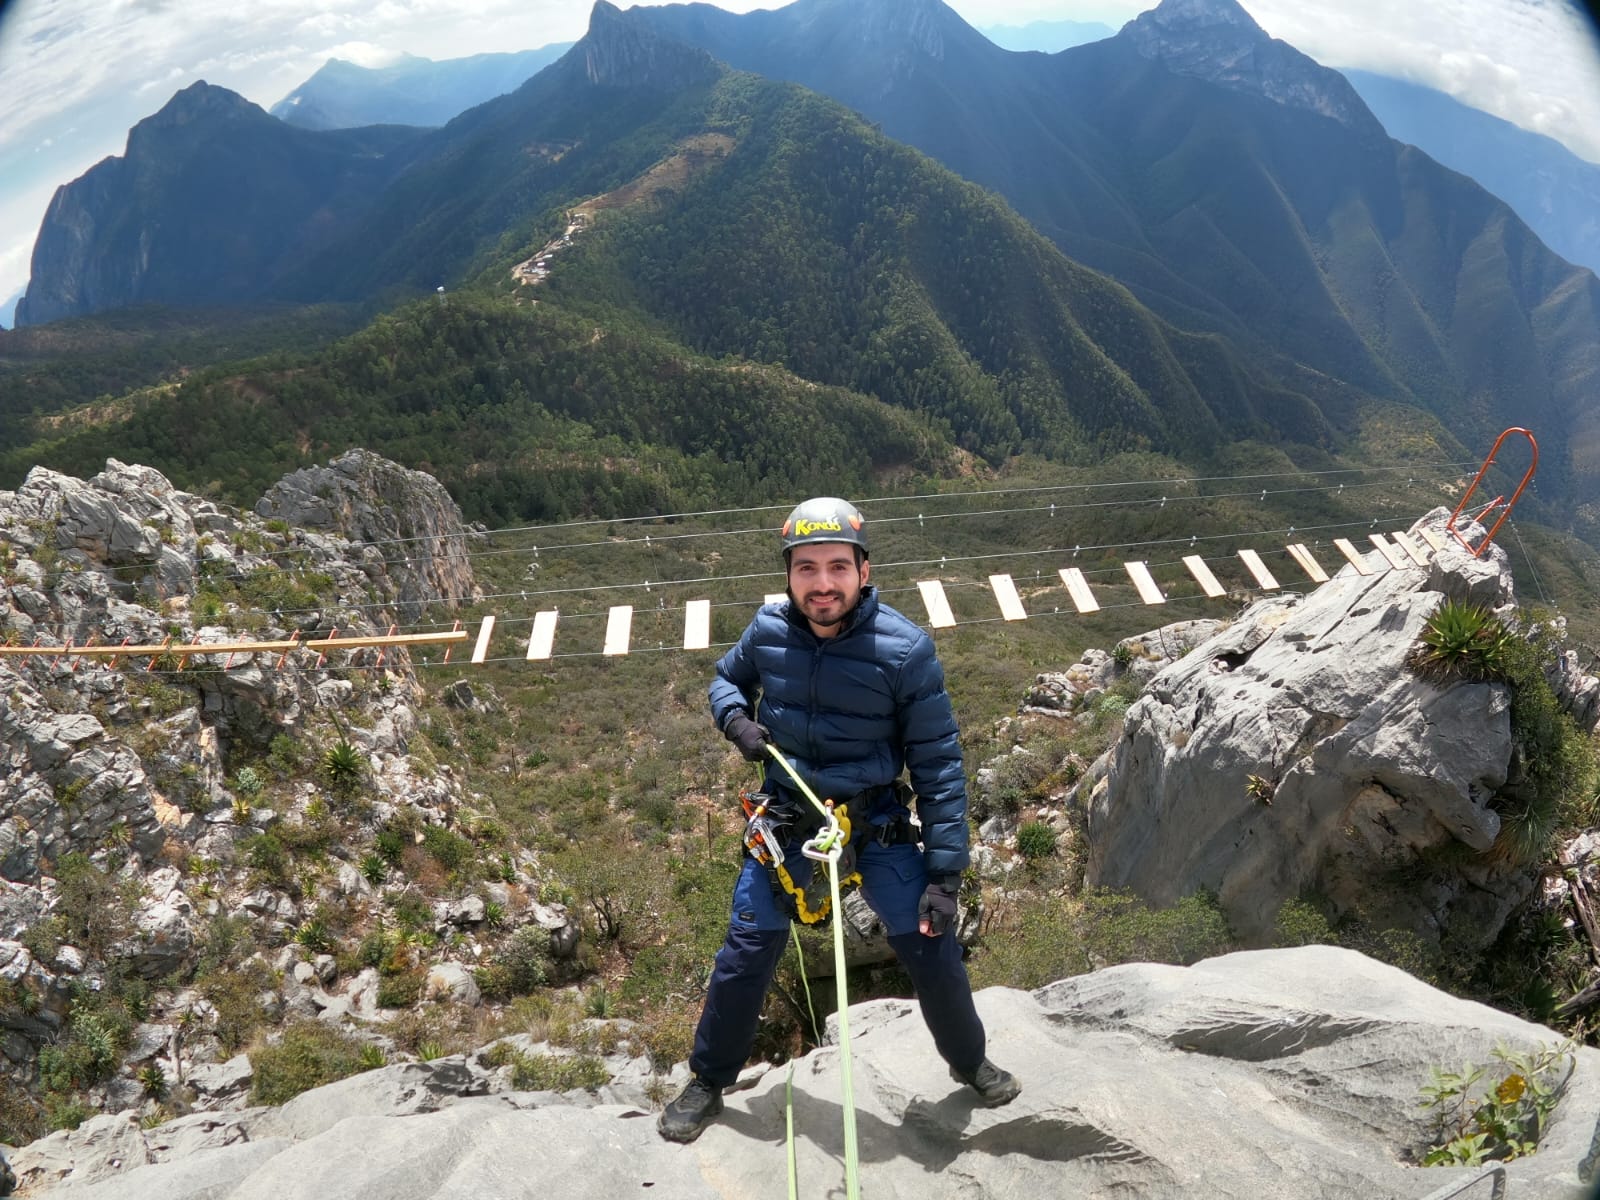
(852, 693)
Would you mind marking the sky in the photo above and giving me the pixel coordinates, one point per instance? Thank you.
(75, 75)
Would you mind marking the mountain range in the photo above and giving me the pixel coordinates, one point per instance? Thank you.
(409, 91)
(1285, 261)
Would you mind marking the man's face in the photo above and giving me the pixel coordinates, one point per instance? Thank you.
(826, 583)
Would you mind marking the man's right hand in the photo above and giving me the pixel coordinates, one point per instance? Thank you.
(750, 737)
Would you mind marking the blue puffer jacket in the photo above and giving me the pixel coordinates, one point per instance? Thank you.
(853, 710)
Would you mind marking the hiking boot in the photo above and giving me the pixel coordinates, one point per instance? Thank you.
(695, 1108)
(994, 1086)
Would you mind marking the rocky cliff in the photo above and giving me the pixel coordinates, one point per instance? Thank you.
(1293, 752)
(149, 808)
(1272, 1073)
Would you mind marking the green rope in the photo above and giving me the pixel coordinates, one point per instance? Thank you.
(831, 843)
(811, 1008)
(788, 1116)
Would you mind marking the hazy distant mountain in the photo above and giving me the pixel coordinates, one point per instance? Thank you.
(412, 91)
(1552, 189)
(8, 311)
(1047, 36)
(212, 200)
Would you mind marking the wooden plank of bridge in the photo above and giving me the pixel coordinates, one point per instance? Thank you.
(619, 625)
(1396, 560)
(1145, 582)
(1264, 577)
(937, 604)
(1078, 589)
(1353, 556)
(1005, 594)
(543, 638)
(697, 625)
(481, 650)
(1203, 576)
(1413, 551)
(1308, 562)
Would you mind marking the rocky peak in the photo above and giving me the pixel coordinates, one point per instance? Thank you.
(1217, 41)
(622, 50)
(895, 26)
(199, 106)
(406, 526)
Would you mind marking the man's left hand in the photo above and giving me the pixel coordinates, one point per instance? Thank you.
(936, 911)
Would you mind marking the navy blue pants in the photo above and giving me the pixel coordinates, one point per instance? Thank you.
(892, 881)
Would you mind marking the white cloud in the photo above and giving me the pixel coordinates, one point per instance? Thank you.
(365, 54)
(1535, 63)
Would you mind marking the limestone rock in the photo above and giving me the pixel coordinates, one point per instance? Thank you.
(1293, 751)
(1269, 1073)
(421, 553)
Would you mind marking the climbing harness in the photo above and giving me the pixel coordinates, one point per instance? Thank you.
(828, 846)
(763, 838)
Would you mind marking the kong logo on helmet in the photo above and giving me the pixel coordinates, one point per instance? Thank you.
(825, 519)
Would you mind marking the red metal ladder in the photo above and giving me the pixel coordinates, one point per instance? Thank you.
(1527, 478)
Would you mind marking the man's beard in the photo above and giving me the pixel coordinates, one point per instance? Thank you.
(826, 623)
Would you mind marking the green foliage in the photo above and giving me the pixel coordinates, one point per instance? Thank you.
(1301, 923)
(343, 766)
(1461, 642)
(22, 1120)
(154, 1081)
(401, 989)
(306, 1055)
(265, 853)
(236, 992)
(452, 851)
(87, 1055)
(1062, 936)
(1486, 1114)
(521, 965)
(375, 868)
(95, 909)
(285, 756)
(558, 1073)
(314, 935)
(247, 781)
(1036, 840)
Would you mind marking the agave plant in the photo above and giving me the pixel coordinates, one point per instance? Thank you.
(1461, 642)
(343, 765)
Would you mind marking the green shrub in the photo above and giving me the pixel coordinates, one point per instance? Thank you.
(400, 990)
(343, 766)
(375, 868)
(265, 853)
(1036, 840)
(451, 850)
(308, 1054)
(96, 909)
(1461, 642)
(521, 965)
(558, 1073)
(247, 781)
(1301, 923)
(1483, 1114)
(1120, 928)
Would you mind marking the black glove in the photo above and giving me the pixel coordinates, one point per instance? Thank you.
(751, 738)
(936, 911)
